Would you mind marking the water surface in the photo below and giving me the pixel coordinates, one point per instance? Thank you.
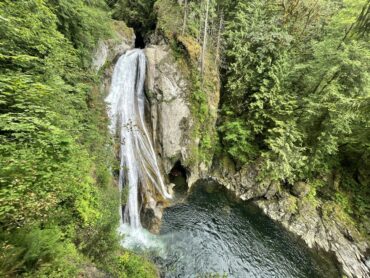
(212, 234)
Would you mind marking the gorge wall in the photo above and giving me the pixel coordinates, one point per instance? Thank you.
(173, 121)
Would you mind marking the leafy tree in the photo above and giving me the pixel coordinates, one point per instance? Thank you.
(82, 22)
(138, 14)
(254, 47)
(58, 208)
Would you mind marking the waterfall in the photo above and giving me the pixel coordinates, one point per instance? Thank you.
(138, 163)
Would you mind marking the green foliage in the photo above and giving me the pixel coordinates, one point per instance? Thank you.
(34, 249)
(296, 93)
(353, 196)
(58, 206)
(203, 129)
(292, 204)
(237, 139)
(130, 265)
(285, 158)
(138, 14)
(315, 187)
(255, 100)
(82, 22)
(168, 17)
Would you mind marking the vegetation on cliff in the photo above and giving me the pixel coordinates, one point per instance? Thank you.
(297, 94)
(294, 77)
(295, 89)
(58, 202)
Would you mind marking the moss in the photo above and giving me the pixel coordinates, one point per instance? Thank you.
(332, 210)
(312, 197)
(124, 194)
(292, 204)
(353, 196)
(191, 46)
(346, 203)
(121, 29)
(150, 95)
(203, 126)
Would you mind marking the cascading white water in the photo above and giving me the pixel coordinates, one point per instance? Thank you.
(126, 101)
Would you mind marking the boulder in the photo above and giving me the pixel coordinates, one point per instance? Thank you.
(273, 189)
(300, 189)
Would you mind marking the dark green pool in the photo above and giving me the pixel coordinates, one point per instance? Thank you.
(212, 234)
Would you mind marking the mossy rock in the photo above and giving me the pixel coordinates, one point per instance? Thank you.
(191, 46)
(300, 189)
(122, 30)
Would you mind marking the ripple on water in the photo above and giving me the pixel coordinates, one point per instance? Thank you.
(211, 234)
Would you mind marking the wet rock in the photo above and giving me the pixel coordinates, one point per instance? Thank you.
(151, 214)
(273, 189)
(170, 189)
(367, 262)
(298, 215)
(210, 187)
(242, 183)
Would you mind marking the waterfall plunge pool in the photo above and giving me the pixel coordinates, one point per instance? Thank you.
(206, 233)
(211, 234)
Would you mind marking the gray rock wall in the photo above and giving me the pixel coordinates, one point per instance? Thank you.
(170, 115)
(324, 233)
(300, 216)
(171, 121)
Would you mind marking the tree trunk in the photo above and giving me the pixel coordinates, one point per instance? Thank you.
(200, 23)
(204, 46)
(220, 27)
(185, 18)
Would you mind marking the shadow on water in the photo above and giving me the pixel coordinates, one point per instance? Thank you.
(211, 233)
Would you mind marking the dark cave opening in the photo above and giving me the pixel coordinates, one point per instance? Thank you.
(139, 40)
(177, 176)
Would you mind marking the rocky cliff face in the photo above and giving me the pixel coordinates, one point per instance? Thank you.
(171, 119)
(108, 51)
(312, 220)
(320, 231)
(170, 113)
